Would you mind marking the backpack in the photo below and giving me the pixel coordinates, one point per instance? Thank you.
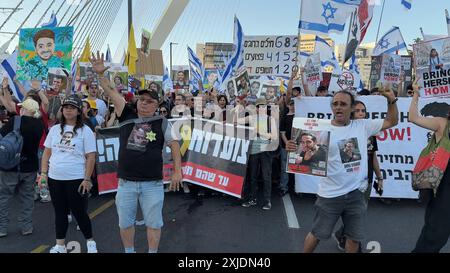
(11, 147)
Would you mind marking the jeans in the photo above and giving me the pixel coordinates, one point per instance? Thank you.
(150, 195)
(260, 163)
(25, 183)
(284, 176)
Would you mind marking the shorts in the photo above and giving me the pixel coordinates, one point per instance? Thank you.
(351, 207)
(150, 195)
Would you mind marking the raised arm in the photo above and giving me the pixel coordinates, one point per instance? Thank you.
(98, 66)
(391, 119)
(436, 124)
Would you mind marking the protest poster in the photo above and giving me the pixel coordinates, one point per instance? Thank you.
(118, 76)
(313, 69)
(312, 137)
(180, 77)
(145, 41)
(270, 55)
(432, 63)
(407, 72)
(375, 71)
(87, 75)
(270, 90)
(41, 49)
(347, 80)
(390, 69)
(398, 147)
(56, 82)
(243, 83)
(231, 91)
(255, 88)
(211, 78)
(134, 84)
(154, 82)
(210, 158)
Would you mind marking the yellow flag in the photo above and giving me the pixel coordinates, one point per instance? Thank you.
(282, 88)
(132, 54)
(86, 52)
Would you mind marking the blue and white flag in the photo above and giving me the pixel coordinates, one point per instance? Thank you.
(9, 67)
(236, 62)
(353, 67)
(324, 16)
(167, 81)
(447, 17)
(391, 42)
(52, 23)
(108, 57)
(327, 57)
(407, 4)
(196, 68)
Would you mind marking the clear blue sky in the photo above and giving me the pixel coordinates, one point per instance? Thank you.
(212, 21)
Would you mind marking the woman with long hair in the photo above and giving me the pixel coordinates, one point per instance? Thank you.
(67, 165)
(436, 231)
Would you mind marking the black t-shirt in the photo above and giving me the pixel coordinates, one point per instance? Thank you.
(286, 126)
(372, 147)
(140, 153)
(31, 130)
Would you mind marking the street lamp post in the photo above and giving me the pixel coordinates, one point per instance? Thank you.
(171, 76)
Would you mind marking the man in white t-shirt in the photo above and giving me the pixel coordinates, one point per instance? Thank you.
(341, 192)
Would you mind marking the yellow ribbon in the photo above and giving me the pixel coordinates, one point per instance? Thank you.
(186, 134)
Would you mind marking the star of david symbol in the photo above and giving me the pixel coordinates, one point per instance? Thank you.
(151, 136)
(384, 44)
(328, 12)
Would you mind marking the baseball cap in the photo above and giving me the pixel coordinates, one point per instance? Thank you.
(74, 101)
(92, 104)
(153, 94)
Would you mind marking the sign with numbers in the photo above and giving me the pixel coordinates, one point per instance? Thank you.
(270, 55)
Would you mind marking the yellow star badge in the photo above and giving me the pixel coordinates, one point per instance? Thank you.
(151, 136)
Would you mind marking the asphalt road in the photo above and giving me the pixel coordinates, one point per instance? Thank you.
(218, 224)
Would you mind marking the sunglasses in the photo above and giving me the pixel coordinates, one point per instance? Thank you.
(163, 111)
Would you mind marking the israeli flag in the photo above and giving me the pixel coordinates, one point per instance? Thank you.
(52, 23)
(167, 81)
(196, 68)
(447, 17)
(325, 16)
(407, 4)
(391, 42)
(236, 62)
(9, 67)
(108, 57)
(353, 67)
(327, 56)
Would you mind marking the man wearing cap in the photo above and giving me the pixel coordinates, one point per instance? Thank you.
(140, 166)
(24, 176)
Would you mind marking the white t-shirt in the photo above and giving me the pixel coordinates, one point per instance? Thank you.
(68, 160)
(347, 157)
(101, 106)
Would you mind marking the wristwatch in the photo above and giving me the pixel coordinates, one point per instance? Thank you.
(394, 101)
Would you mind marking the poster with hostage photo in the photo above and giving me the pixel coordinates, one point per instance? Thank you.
(57, 82)
(243, 84)
(65, 145)
(312, 137)
(154, 82)
(41, 49)
(141, 135)
(270, 90)
(87, 75)
(350, 154)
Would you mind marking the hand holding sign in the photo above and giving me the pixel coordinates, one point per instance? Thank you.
(386, 92)
(416, 87)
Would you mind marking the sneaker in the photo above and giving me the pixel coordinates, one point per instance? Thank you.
(267, 206)
(166, 188)
(58, 249)
(340, 241)
(91, 247)
(249, 203)
(69, 218)
(283, 192)
(46, 200)
(27, 232)
(3, 234)
(186, 188)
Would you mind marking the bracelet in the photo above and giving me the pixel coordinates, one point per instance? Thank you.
(394, 101)
(44, 173)
(87, 179)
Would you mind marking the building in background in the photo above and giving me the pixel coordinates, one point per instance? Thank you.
(363, 59)
(214, 55)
